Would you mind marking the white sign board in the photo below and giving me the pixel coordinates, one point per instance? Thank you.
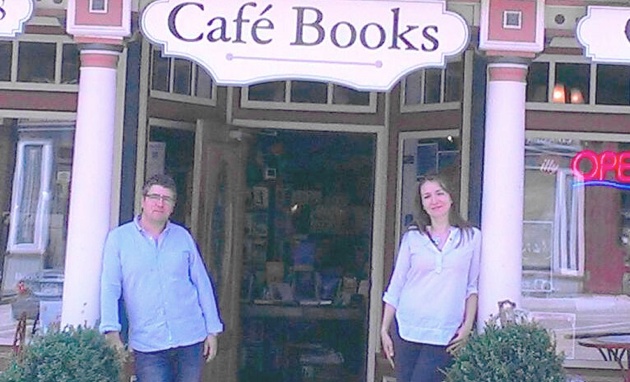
(13, 15)
(605, 34)
(364, 44)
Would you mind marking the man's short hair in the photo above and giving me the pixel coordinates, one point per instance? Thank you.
(160, 180)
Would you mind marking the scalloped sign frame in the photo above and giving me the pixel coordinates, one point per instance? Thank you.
(363, 44)
(605, 34)
(13, 16)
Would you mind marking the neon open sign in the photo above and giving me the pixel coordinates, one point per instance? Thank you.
(600, 167)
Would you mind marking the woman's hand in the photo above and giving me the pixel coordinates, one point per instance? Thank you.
(459, 340)
(388, 346)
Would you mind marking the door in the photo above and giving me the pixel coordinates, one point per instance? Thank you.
(217, 214)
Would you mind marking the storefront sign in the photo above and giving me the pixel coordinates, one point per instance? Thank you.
(13, 15)
(365, 44)
(605, 34)
(601, 165)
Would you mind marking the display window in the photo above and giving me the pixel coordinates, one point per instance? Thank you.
(37, 217)
(576, 230)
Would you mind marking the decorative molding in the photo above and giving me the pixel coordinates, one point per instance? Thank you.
(498, 35)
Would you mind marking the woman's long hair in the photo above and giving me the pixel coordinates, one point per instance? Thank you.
(454, 218)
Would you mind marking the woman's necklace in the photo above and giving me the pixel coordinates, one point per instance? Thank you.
(438, 239)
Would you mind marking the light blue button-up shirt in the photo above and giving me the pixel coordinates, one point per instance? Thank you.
(168, 295)
(429, 287)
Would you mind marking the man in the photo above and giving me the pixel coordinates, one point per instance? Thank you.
(156, 267)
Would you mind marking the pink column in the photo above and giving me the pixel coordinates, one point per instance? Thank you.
(503, 177)
(91, 184)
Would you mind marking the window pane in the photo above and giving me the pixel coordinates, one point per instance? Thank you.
(203, 87)
(70, 64)
(36, 62)
(160, 72)
(6, 52)
(432, 85)
(30, 195)
(576, 79)
(413, 90)
(537, 82)
(346, 96)
(309, 92)
(268, 91)
(454, 80)
(183, 76)
(613, 85)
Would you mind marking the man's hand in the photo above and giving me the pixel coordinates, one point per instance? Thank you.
(113, 339)
(210, 347)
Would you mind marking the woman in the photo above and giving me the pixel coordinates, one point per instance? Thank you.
(433, 288)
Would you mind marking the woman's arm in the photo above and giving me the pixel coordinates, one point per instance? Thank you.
(386, 340)
(462, 334)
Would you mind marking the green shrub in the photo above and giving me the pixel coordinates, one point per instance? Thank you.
(69, 355)
(523, 352)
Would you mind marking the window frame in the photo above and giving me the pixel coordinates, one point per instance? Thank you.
(591, 106)
(170, 95)
(56, 85)
(442, 105)
(287, 104)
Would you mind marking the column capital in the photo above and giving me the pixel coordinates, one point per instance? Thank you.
(507, 72)
(99, 55)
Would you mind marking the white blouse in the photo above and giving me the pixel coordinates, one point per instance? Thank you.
(429, 287)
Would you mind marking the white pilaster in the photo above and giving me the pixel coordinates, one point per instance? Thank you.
(503, 177)
(91, 185)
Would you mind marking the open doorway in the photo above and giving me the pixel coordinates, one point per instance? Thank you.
(306, 263)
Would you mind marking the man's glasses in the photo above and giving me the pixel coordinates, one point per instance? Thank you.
(157, 197)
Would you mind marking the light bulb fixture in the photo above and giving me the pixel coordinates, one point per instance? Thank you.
(577, 96)
(559, 94)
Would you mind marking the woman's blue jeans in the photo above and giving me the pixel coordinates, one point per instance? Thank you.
(181, 364)
(417, 362)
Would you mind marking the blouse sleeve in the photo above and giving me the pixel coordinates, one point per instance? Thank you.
(399, 275)
(473, 271)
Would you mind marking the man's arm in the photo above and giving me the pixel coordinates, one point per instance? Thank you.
(111, 287)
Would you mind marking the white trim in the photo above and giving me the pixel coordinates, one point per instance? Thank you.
(102, 11)
(196, 180)
(158, 94)
(467, 95)
(36, 114)
(604, 137)
(143, 127)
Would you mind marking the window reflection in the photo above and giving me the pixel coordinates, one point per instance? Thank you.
(309, 92)
(537, 82)
(576, 79)
(613, 85)
(70, 64)
(37, 62)
(345, 96)
(432, 85)
(268, 91)
(160, 72)
(574, 253)
(203, 85)
(6, 53)
(182, 76)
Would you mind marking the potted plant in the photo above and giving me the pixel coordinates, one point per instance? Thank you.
(72, 354)
(521, 351)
